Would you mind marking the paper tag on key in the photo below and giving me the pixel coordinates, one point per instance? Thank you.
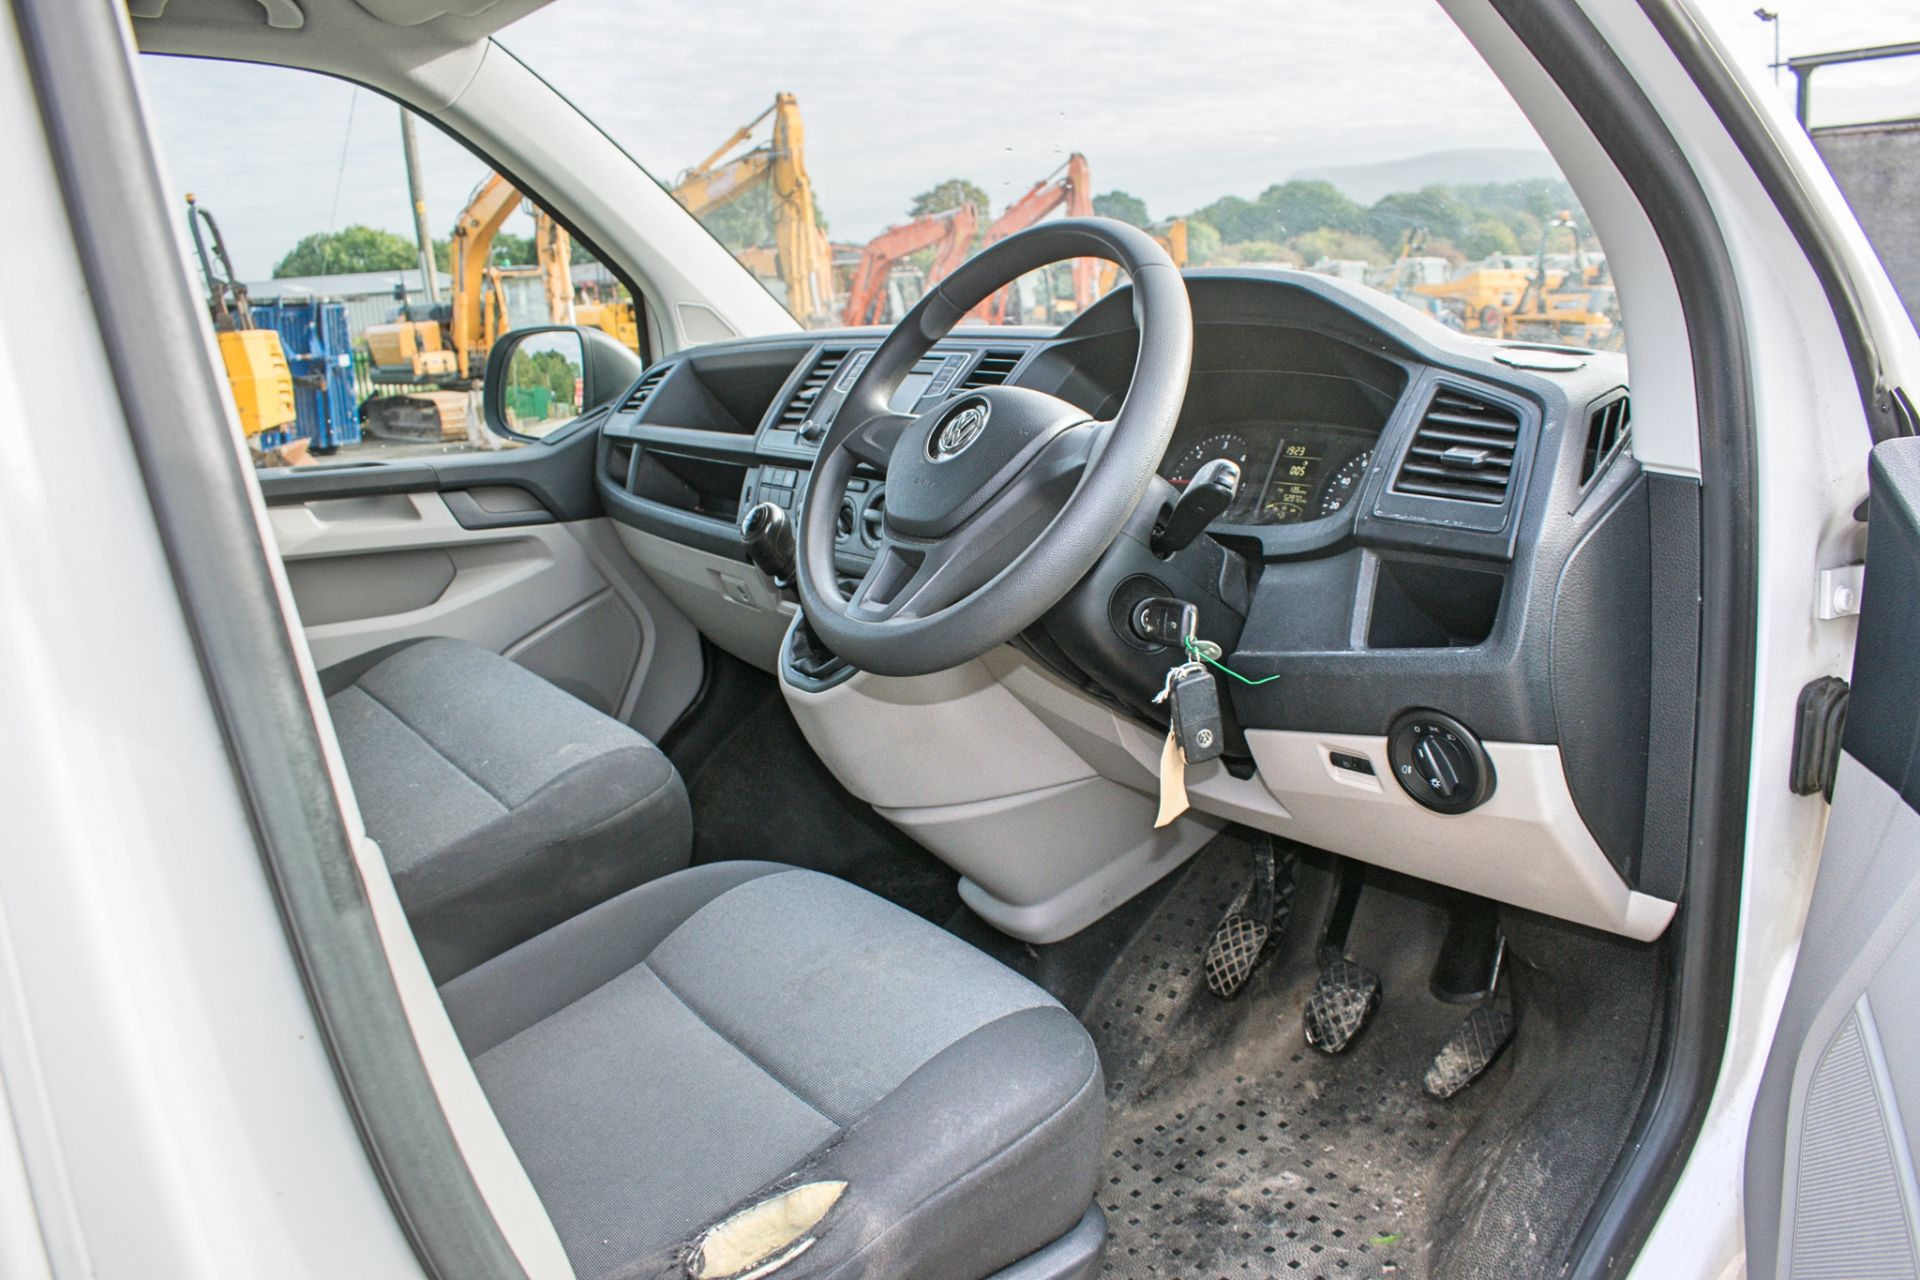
(1173, 782)
(1173, 760)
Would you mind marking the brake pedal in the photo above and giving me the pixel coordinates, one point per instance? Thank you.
(1244, 937)
(1344, 998)
(1470, 1050)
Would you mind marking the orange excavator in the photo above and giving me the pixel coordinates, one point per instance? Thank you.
(950, 231)
(1067, 187)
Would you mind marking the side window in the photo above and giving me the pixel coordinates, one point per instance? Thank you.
(358, 265)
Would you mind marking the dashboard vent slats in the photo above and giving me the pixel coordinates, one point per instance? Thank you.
(1462, 451)
(1608, 429)
(993, 368)
(644, 388)
(818, 379)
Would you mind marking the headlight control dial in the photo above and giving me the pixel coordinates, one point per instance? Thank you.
(1438, 761)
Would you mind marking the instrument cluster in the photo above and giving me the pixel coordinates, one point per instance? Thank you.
(1290, 472)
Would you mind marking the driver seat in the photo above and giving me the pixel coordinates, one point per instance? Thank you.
(746, 1069)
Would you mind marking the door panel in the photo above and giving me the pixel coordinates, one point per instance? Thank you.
(1830, 1184)
(371, 569)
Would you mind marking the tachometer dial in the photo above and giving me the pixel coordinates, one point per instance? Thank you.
(1197, 455)
(1200, 453)
(1344, 483)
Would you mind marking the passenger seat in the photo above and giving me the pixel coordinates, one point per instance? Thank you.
(504, 805)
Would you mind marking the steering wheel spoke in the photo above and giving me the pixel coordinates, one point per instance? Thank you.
(907, 580)
(872, 441)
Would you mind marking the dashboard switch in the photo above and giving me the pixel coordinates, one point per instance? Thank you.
(1350, 762)
(1438, 761)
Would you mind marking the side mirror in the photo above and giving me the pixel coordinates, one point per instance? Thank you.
(540, 379)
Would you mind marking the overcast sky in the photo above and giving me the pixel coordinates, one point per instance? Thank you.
(1177, 104)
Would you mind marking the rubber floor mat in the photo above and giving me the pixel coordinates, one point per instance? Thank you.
(1235, 1150)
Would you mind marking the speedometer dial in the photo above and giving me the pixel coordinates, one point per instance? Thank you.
(1344, 483)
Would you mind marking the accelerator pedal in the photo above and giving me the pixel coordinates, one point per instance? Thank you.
(1470, 1050)
(1246, 933)
(1344, 999)
(1479, 1039)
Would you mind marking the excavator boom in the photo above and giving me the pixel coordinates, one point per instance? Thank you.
(803, 259)
(701, 193)
(952, 231)
(553, 247)
(473, 324)
(1070, 186)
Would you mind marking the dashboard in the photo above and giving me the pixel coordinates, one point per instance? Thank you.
(1425, 521)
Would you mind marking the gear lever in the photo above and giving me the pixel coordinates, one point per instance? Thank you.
(768, 536)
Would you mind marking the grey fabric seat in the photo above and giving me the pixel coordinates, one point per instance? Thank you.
(695, 1045)
(503, 804)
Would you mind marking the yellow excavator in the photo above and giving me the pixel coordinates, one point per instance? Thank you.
(443, 347)
(803, 260)
(439, 353)
(255, 362)
(553, 248)
(1574, 306)
(1547, 304)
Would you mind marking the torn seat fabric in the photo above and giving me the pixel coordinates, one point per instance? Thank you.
(695, 1046)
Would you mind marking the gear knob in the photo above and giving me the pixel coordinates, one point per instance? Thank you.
(768, 536)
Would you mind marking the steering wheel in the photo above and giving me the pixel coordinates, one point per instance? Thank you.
(998, 499)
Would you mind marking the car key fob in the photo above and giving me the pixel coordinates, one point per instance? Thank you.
(1195, 713)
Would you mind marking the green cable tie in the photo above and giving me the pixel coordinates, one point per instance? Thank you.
(1193, 650)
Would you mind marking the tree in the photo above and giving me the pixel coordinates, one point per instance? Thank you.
(1325, 242)
(1297, 206)
(1203, 242)
(354, 248)
(1434, 208)
(1487, 235)
(509, 250)
(553, 372)
(950, 194)
(1236, 219)
(1122, 205)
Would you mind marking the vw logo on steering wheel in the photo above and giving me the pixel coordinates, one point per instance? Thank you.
(959, 431)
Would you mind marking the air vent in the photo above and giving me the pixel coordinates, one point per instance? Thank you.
(818, 379)
(644, 388)
(992, 370)
(1462, 450)
(1608, 429)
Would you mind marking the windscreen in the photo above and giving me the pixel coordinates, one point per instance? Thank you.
(851, 154)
